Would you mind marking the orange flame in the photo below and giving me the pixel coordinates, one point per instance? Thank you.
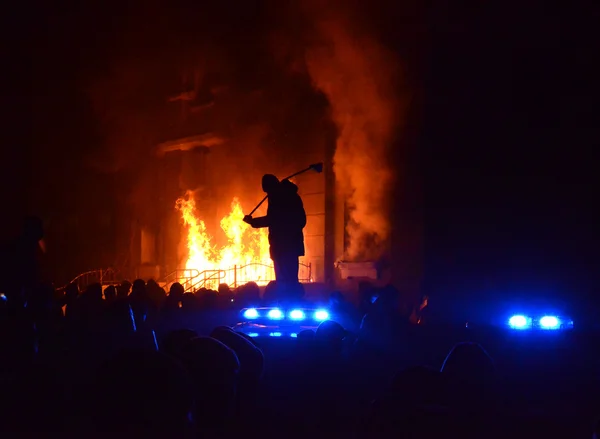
(244, 258)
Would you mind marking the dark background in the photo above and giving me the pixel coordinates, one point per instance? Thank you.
(508, 151)
(498, 156)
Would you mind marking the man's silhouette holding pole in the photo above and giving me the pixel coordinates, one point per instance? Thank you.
(285, 219)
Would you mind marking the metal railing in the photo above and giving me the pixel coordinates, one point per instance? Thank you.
(103, 276)
(193, 279)
(184, 276)
(238, 275)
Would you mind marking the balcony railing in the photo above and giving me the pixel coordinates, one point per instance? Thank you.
(238, 275)
(193, 280)
(103, 276)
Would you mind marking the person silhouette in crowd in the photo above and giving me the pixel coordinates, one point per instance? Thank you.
(190, 302)
(471, 376)
(173, 301)
(270, 293)
(330, 338)
(251, 367)
(214, 369)
(224, 290)
(417, 386)
(22, 262)
(286, 220)
(70, 297)
(139, 301)
(412, 391)
(89, 304)
(144, 393)
(110, 294)
(208, 300)
(123, 289)
(156, 294)
(248, 293)
(175, 341)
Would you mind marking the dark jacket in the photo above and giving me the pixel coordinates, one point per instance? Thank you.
(285, 219)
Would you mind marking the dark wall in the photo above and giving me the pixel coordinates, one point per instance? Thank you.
(506, 152)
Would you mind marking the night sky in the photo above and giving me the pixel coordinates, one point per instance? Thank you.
(508, 157)
(502, 128)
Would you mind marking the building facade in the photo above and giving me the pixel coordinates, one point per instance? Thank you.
(193, 154)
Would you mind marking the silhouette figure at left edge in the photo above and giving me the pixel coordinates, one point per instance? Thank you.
(285, 219)
(21, 262)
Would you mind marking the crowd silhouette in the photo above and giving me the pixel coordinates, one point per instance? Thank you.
(134, 359)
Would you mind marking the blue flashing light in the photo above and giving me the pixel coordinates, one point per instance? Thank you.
(550, 322)
(321, 315)
(294, 335)
(275, 314)
(275, 334)
(251, 313)
(297, 314)
(253, 334)
(519, 322)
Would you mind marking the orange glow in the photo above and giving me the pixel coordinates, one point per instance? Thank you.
(361, 79)
(244, 258)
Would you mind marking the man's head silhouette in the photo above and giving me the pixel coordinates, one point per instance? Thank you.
(269, 183)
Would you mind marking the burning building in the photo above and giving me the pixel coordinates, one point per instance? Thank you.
(205, 181)
(329, 98)
(201, 191)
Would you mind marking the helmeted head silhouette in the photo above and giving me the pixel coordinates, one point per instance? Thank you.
(269, 183)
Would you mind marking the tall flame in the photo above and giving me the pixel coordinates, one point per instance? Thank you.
(244, 258)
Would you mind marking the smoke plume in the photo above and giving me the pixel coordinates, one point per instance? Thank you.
(358, 77)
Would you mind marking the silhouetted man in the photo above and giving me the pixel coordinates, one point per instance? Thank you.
(285, 219)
